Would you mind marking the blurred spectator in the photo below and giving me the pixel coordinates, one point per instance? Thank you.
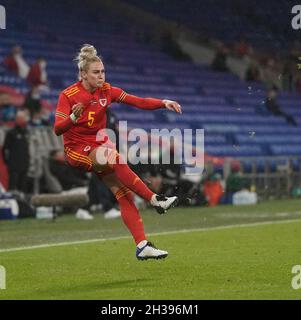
(219, 62)
(66, 175)
(33, 104)
(153, 177)
(272, 106)
(40, 110)
(270, 75)
(298, 84)
(242, 48)
(170, 172)
(170, 46)
(172, 181)
(287, 76)
(41, 119)
(151, 174)
(16, 153)
(213, 189)
(253, 72)
(16, 63)
(37, 76)
(234, 183)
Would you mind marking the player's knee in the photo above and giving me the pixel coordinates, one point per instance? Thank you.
(104, 156)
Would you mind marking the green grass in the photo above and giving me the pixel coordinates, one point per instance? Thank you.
(205, 262)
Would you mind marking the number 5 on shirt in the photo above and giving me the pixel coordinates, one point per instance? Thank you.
(91, 118)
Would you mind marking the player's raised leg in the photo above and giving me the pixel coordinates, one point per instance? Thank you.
(106, 158)
(132, 219)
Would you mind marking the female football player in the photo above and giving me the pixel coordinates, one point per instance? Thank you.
(80, 114)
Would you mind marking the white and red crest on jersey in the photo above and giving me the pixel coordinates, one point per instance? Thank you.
(103, 102)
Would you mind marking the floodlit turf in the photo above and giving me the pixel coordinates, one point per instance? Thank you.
(234, 262)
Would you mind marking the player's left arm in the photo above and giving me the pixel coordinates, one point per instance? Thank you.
(118, 95)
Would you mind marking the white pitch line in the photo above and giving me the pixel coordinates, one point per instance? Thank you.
(232, 226)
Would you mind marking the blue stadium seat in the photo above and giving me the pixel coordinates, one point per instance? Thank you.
(267, 138)
(234, 150)
(285, 149)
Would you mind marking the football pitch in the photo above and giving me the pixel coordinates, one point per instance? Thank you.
(226, 252)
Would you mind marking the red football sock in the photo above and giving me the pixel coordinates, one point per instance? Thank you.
(132, 181)
(130, 215)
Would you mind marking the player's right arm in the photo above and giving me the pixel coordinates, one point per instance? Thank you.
(65, 115)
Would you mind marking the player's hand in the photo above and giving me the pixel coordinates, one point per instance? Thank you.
(172, 105)
(77, 109)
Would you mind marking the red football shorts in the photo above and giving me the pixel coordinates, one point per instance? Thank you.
(76, 155)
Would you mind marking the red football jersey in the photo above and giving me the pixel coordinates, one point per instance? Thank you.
(94, 115)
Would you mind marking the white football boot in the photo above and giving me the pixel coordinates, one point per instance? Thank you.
(146, 250)
(162, 203)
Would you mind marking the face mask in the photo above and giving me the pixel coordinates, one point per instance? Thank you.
(21, 123)
(43, 64)
(35, 96)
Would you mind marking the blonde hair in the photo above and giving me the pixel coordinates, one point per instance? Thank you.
(86, 55)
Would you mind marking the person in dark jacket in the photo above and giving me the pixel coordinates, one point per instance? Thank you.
(67, 176)
(32, 102)
(272, 106)
(16, 153)
(219, 62)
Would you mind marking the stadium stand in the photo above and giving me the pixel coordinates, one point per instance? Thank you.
(229, 109)
(265, 26)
